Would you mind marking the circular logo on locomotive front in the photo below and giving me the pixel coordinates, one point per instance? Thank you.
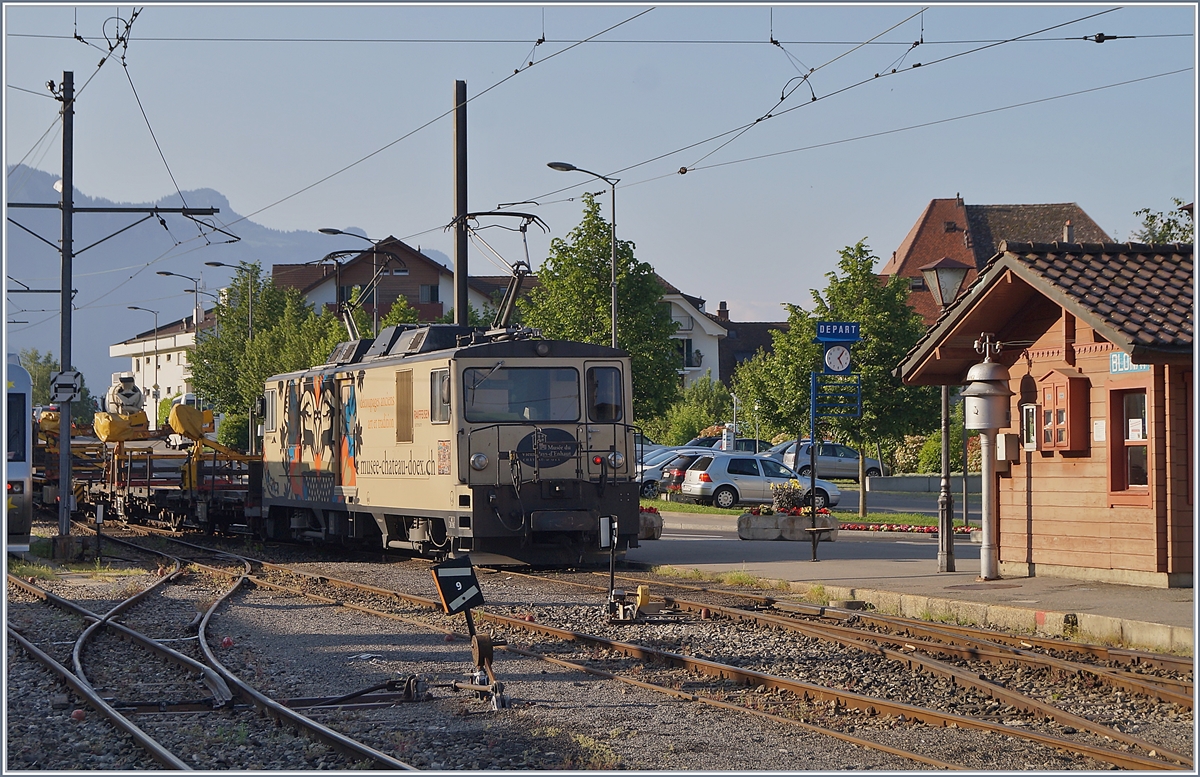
(552, 446)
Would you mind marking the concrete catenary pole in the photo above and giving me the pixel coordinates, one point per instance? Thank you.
(461, 308)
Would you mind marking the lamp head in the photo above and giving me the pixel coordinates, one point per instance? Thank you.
(216, 264)
(562, 167)
(164, 272)
(944, 278)
(330, 231)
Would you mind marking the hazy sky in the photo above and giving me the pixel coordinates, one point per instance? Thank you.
(267, 104)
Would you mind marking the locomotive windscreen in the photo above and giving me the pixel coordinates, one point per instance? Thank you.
(520, 394)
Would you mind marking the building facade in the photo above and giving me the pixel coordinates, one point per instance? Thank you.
(1097, 480)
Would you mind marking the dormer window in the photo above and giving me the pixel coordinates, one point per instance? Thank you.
(950, 226)
(916, 284)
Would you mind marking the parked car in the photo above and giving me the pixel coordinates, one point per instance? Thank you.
(833, 461)
(725, 479)
(744, 444)
(644, 444)
(702, 442)
(650, 470)
(674, 470)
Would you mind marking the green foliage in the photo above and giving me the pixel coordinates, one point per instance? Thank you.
(1174, 226)
(905, 456)
(229, 367)
(780, 381)
(573, 302)
(39, 366)
(234, 431)
(929, 460)
(400, 313)
(474, 317)
(701, 404)
(164, 409)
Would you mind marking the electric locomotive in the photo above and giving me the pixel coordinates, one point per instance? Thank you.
(446, 440)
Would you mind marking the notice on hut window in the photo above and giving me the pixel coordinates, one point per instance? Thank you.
(1135, 430)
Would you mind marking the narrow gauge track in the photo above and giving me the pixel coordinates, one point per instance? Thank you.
(117, 686)
(1029, 727)
(969, 649)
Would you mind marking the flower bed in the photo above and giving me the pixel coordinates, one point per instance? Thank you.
(786, 511)
(900, 527)
(650, 523)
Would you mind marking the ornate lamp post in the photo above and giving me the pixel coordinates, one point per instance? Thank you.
(567, 167)
(944, 278)
(154, 395)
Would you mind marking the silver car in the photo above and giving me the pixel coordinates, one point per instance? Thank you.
(833, 461)
(649, 470)
(725, 479)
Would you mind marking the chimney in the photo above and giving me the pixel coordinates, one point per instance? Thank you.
(1068, 232)
(722, 312)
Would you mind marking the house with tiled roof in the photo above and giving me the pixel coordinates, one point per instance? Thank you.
(402, 271)
(742, 340)
(160, 359)
(1098, 477)
(970, 234)
(697, 336)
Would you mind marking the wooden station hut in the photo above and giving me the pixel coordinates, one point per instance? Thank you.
(1096, 468)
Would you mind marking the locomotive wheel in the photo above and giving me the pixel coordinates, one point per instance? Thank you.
(481, 649)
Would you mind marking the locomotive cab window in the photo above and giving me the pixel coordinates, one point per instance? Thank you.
(439, 396)
(518, 394)
(269, 410)
(605, 394)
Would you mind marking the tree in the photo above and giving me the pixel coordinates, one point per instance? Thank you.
(573, 302)
(229, 367)
(400, 313)
(474, 317)
(1170, 227)
(780, 382)
(703, 403)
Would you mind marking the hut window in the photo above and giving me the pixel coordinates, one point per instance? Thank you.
(1064, 412)
(1129, 441)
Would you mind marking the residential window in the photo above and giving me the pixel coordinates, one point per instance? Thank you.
(916, 284)
(168, 357)
(429, 293)
(137, 366)
(950, 226)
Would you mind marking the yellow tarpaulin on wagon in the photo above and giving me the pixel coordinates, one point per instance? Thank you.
(113, 427)
(190, 422)
(49, 422)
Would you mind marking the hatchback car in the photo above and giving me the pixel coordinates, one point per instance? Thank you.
(674, 471)
(833, 461)
(650, 469)
(725, 479)
(744, 444)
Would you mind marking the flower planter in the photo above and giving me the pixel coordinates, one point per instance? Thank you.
(650, 524)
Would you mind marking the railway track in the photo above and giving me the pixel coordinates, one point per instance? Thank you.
(119, 684)
(989, 708)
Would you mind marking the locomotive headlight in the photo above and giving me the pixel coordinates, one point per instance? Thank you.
(16, 487)
(479, 461)
(616, 459)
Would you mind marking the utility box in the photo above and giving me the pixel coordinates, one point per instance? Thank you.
(1008, 447)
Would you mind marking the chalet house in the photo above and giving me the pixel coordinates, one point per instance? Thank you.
(742, 340)
(971, 233)
(403, 271)
(1097, 481)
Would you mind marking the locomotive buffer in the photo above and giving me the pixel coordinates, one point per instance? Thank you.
(459, 591)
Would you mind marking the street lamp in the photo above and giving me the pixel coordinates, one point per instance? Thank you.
(944, 278)
(195, 294)
(154, 396)
(374, 273)
(566, 167)
(250, 283)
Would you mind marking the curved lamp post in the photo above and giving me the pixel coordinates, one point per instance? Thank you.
(944, 278)
(567, 167)
(154, 396)
(374, 272)
(195, 294)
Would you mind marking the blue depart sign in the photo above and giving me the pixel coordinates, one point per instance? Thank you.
(837, 332)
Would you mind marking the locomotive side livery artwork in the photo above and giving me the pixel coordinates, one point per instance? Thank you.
(444, 439)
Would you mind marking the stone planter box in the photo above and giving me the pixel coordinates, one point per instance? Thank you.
(785, 527)
(650, 526)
